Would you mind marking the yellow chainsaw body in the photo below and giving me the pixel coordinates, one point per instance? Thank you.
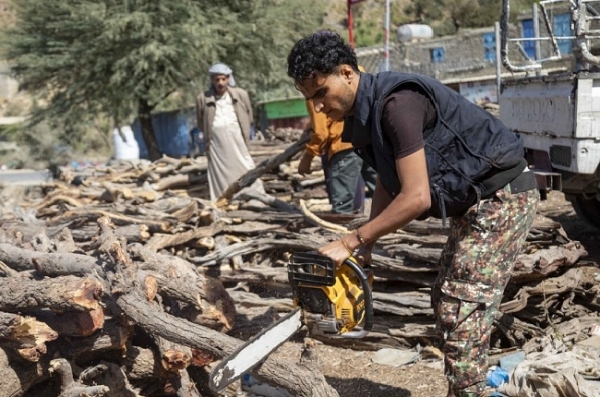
(337, 306)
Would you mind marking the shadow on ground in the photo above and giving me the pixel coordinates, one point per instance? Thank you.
(360, 387)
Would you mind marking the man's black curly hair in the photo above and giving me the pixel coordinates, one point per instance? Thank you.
(322, 52)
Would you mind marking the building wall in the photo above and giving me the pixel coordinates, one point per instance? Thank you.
(463, 54)
(465, 65)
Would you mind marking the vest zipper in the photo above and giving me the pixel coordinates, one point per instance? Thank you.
(440, 197)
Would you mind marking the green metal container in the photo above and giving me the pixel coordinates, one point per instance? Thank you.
(285, 108)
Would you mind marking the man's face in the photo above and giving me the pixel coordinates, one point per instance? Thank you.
(220, 82)
(332, 94)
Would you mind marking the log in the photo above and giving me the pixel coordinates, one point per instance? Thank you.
(304, 383)
(132, 233)
(160, 241)
(111, 340)
(140, 363)
(332, 227)
(179, 181)
(182, 384)
(176, 278)
(25, 334)
(251, 176)
(269, 200)
(91, 215)
(73, 323)
(68, 386)
(49, 264)
(258, 245)
(111, 376)
(19, 376)
(67, 293)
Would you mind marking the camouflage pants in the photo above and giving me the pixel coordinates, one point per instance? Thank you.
(475, 268)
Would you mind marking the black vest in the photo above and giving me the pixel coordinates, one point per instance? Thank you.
(463, 146)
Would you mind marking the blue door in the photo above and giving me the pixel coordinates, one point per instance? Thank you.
(562, 27)
(529, 45)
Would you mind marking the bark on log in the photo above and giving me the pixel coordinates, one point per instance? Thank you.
(160, 241)
(68, 386)
(140, 363)
(131, 233)
(110, 375)
(178, 279)
(182, 384)
(270, 201)
(91, 215)
(112, 337)
(307, 243)
(73, 323)
(61, 294)
(176, 181)
(49, 264)
(19, 376)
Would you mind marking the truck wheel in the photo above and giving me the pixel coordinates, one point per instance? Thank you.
(587, 208)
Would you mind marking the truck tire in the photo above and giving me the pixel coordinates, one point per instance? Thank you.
(587, 208)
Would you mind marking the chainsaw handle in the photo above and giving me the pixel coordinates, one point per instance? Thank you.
(367, 293)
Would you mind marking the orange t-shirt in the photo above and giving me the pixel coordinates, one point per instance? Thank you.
(327, 134)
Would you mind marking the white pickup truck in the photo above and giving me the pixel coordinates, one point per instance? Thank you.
(556, 109)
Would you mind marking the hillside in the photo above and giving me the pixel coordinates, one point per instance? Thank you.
(5, 14)
(368, 19)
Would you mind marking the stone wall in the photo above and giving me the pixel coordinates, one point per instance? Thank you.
(463, 60)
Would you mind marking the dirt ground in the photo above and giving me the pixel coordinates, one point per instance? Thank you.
(353, 373)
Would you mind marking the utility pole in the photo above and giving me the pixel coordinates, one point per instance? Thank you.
(386, 52)
(350, 23)
(349, 4)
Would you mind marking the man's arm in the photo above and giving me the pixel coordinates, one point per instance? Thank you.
(406, 114)
(412, 201)
(249, 106)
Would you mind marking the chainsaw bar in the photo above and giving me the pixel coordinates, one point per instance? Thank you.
(253, 352)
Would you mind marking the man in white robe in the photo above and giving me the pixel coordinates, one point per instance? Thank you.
(224, 114)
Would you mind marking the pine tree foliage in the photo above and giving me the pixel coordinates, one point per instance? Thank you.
(125, 57)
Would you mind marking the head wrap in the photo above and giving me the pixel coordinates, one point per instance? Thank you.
(221, 68)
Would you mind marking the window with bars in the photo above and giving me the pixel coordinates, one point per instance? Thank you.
(489, 46)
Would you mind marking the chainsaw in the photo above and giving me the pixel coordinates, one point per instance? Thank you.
(330, 302)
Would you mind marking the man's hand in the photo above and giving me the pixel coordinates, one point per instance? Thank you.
(305, 163)
(363, 255)
(342, 249)
(337, 251)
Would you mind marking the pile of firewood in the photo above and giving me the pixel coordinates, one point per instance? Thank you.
(125, 280)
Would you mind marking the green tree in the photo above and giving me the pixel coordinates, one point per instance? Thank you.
(424, 11)
(124, 58)
(462, 12)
